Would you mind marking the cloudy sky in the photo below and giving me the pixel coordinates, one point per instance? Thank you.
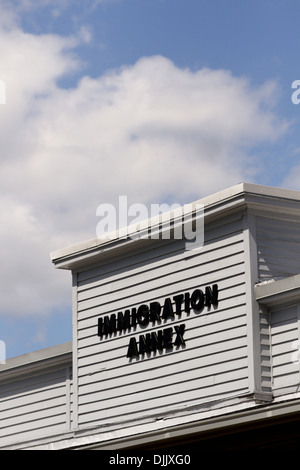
(158, 100)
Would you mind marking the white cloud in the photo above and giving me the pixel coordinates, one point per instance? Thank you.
(25, 5)
(150, 131)
(292, 179)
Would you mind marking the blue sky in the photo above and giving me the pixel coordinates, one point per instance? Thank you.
(130, 97)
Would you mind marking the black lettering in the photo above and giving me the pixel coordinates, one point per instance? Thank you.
(159, 339)
(109, 325)
(145, 344)
(151, 340)
(187, 302)
(197, 299)
(178, 301)
(156, 340)
(100, 327)
(124, 320)
(179, 330)
(167, 309)
(142, 344)
(168, 333)
(211, 295)
(155, 309)
(132, 348)
(133, 317)
(143, 315)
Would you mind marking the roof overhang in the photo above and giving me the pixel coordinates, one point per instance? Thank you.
(276, 293)
(36, 361)
(243, 196)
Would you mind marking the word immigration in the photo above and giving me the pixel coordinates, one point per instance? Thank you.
(156, 313)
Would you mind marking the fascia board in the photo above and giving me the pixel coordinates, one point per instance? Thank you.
(218, 205)
(37, 361)
(278, 292)
(81, 254)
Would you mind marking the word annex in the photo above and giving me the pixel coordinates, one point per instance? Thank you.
(156, 313)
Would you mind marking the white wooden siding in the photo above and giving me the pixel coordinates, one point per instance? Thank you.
(285, 348)
(35, 406)
(112, 388)
(278, 247)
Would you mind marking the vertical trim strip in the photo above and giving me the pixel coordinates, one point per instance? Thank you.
(298, 342)
(253, 320)
(75, 350)
(68, 398)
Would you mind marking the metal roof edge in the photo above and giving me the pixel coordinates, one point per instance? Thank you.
(34, 360)
(231, 198)
(279, 291)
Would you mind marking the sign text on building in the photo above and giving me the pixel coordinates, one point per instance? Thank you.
(155, 313)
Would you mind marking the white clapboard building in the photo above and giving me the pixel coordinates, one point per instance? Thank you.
(173, 346)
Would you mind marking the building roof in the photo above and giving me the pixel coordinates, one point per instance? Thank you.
(220, 204)
(36, 361)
